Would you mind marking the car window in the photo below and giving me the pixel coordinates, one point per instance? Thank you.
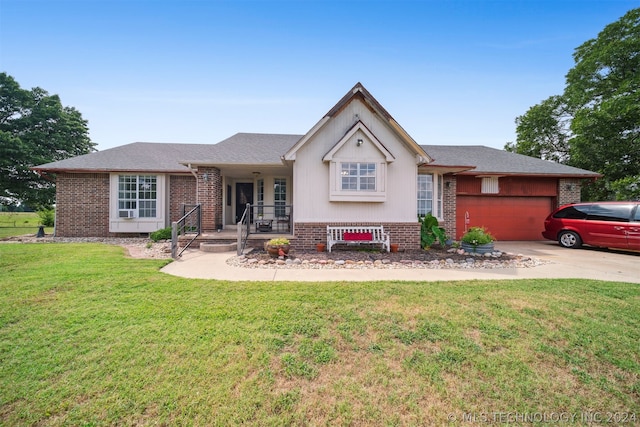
(620, 213)
(573, 212)
(636, 217)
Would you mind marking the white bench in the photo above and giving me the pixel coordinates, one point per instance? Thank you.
(357, 235)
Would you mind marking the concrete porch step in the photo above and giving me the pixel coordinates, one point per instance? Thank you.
(218, 247)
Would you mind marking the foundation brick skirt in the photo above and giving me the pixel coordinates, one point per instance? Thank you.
(405, 234)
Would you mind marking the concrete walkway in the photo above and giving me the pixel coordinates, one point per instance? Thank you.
(585, 263)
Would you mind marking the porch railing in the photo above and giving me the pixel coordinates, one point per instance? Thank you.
(189, 224)
(244, 229)
(264, 219)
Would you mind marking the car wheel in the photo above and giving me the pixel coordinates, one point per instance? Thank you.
(569, 239)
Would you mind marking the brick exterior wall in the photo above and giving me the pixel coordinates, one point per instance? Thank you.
(449, 205)
(209, 195)
(406, 235)
(82, 205)
(182, 191)
(568, 191)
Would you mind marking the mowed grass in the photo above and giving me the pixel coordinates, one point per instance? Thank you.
(90, 337)
(20, 223)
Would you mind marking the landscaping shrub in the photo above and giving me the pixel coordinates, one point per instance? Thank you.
(430, 231)
(47, 217)
(162, 234)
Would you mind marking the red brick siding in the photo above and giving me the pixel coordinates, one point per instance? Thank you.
(82, 205)
(406, 235)
(209, 195)
(568, 191)
(182, 191)
(449, 202)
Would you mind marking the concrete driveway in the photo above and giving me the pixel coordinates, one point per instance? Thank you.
(586, 263)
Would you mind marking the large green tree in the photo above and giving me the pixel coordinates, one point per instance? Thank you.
(34, 129)
(595, 123)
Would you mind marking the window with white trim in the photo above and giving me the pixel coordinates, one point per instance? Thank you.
(358, 176)
(138, 194)
(429, 195)
(260, 196)
(439, 193)
(425, 194)
(280, 196)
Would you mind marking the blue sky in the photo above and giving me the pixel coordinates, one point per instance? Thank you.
(196, 71)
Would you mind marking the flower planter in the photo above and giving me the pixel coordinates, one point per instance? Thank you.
(477, 249)
(320, 247)
(278, 250)
(393, 247)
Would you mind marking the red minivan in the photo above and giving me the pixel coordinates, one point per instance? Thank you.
(603, 224)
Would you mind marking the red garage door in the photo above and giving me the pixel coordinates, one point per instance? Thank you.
(507, 218)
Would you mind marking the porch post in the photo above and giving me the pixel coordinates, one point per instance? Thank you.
(449, 204)
(209, 195)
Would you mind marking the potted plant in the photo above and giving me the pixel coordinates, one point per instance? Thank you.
(278, 246)
(477, 240)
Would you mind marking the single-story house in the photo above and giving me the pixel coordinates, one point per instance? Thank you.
(356, 166)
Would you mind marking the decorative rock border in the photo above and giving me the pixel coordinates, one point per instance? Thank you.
(493, 260)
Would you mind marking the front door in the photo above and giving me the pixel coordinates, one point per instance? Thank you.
(244, 195)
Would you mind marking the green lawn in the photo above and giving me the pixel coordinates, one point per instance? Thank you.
(20, 223)
(89, 337)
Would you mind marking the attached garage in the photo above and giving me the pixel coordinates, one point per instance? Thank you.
(509, 207)
(507, 218)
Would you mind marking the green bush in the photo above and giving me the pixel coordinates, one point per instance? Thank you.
(162, 234)
(47, 217)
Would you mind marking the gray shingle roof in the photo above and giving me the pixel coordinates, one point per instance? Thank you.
(493, 161)
(266, 149)
(138, 156)
(242, 148)
(247, 149)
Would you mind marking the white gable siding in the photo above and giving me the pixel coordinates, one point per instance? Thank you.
(311, 174)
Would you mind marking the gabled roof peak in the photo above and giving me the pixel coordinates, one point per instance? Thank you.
(360, 91)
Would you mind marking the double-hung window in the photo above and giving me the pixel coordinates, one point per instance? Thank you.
(137, 196)
(280, 196)
(430, 195)
(358, 176)
(260, 194)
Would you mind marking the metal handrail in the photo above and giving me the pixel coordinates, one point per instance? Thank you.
(243, 225)
(190, 223)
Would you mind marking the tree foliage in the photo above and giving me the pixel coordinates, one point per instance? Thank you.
(595, 123)
(543, 131)
(35, 129)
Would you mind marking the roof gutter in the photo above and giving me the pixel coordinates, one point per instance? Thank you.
(193, 171)
(43, 174)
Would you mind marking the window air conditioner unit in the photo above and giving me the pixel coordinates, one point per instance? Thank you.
(127, 213)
